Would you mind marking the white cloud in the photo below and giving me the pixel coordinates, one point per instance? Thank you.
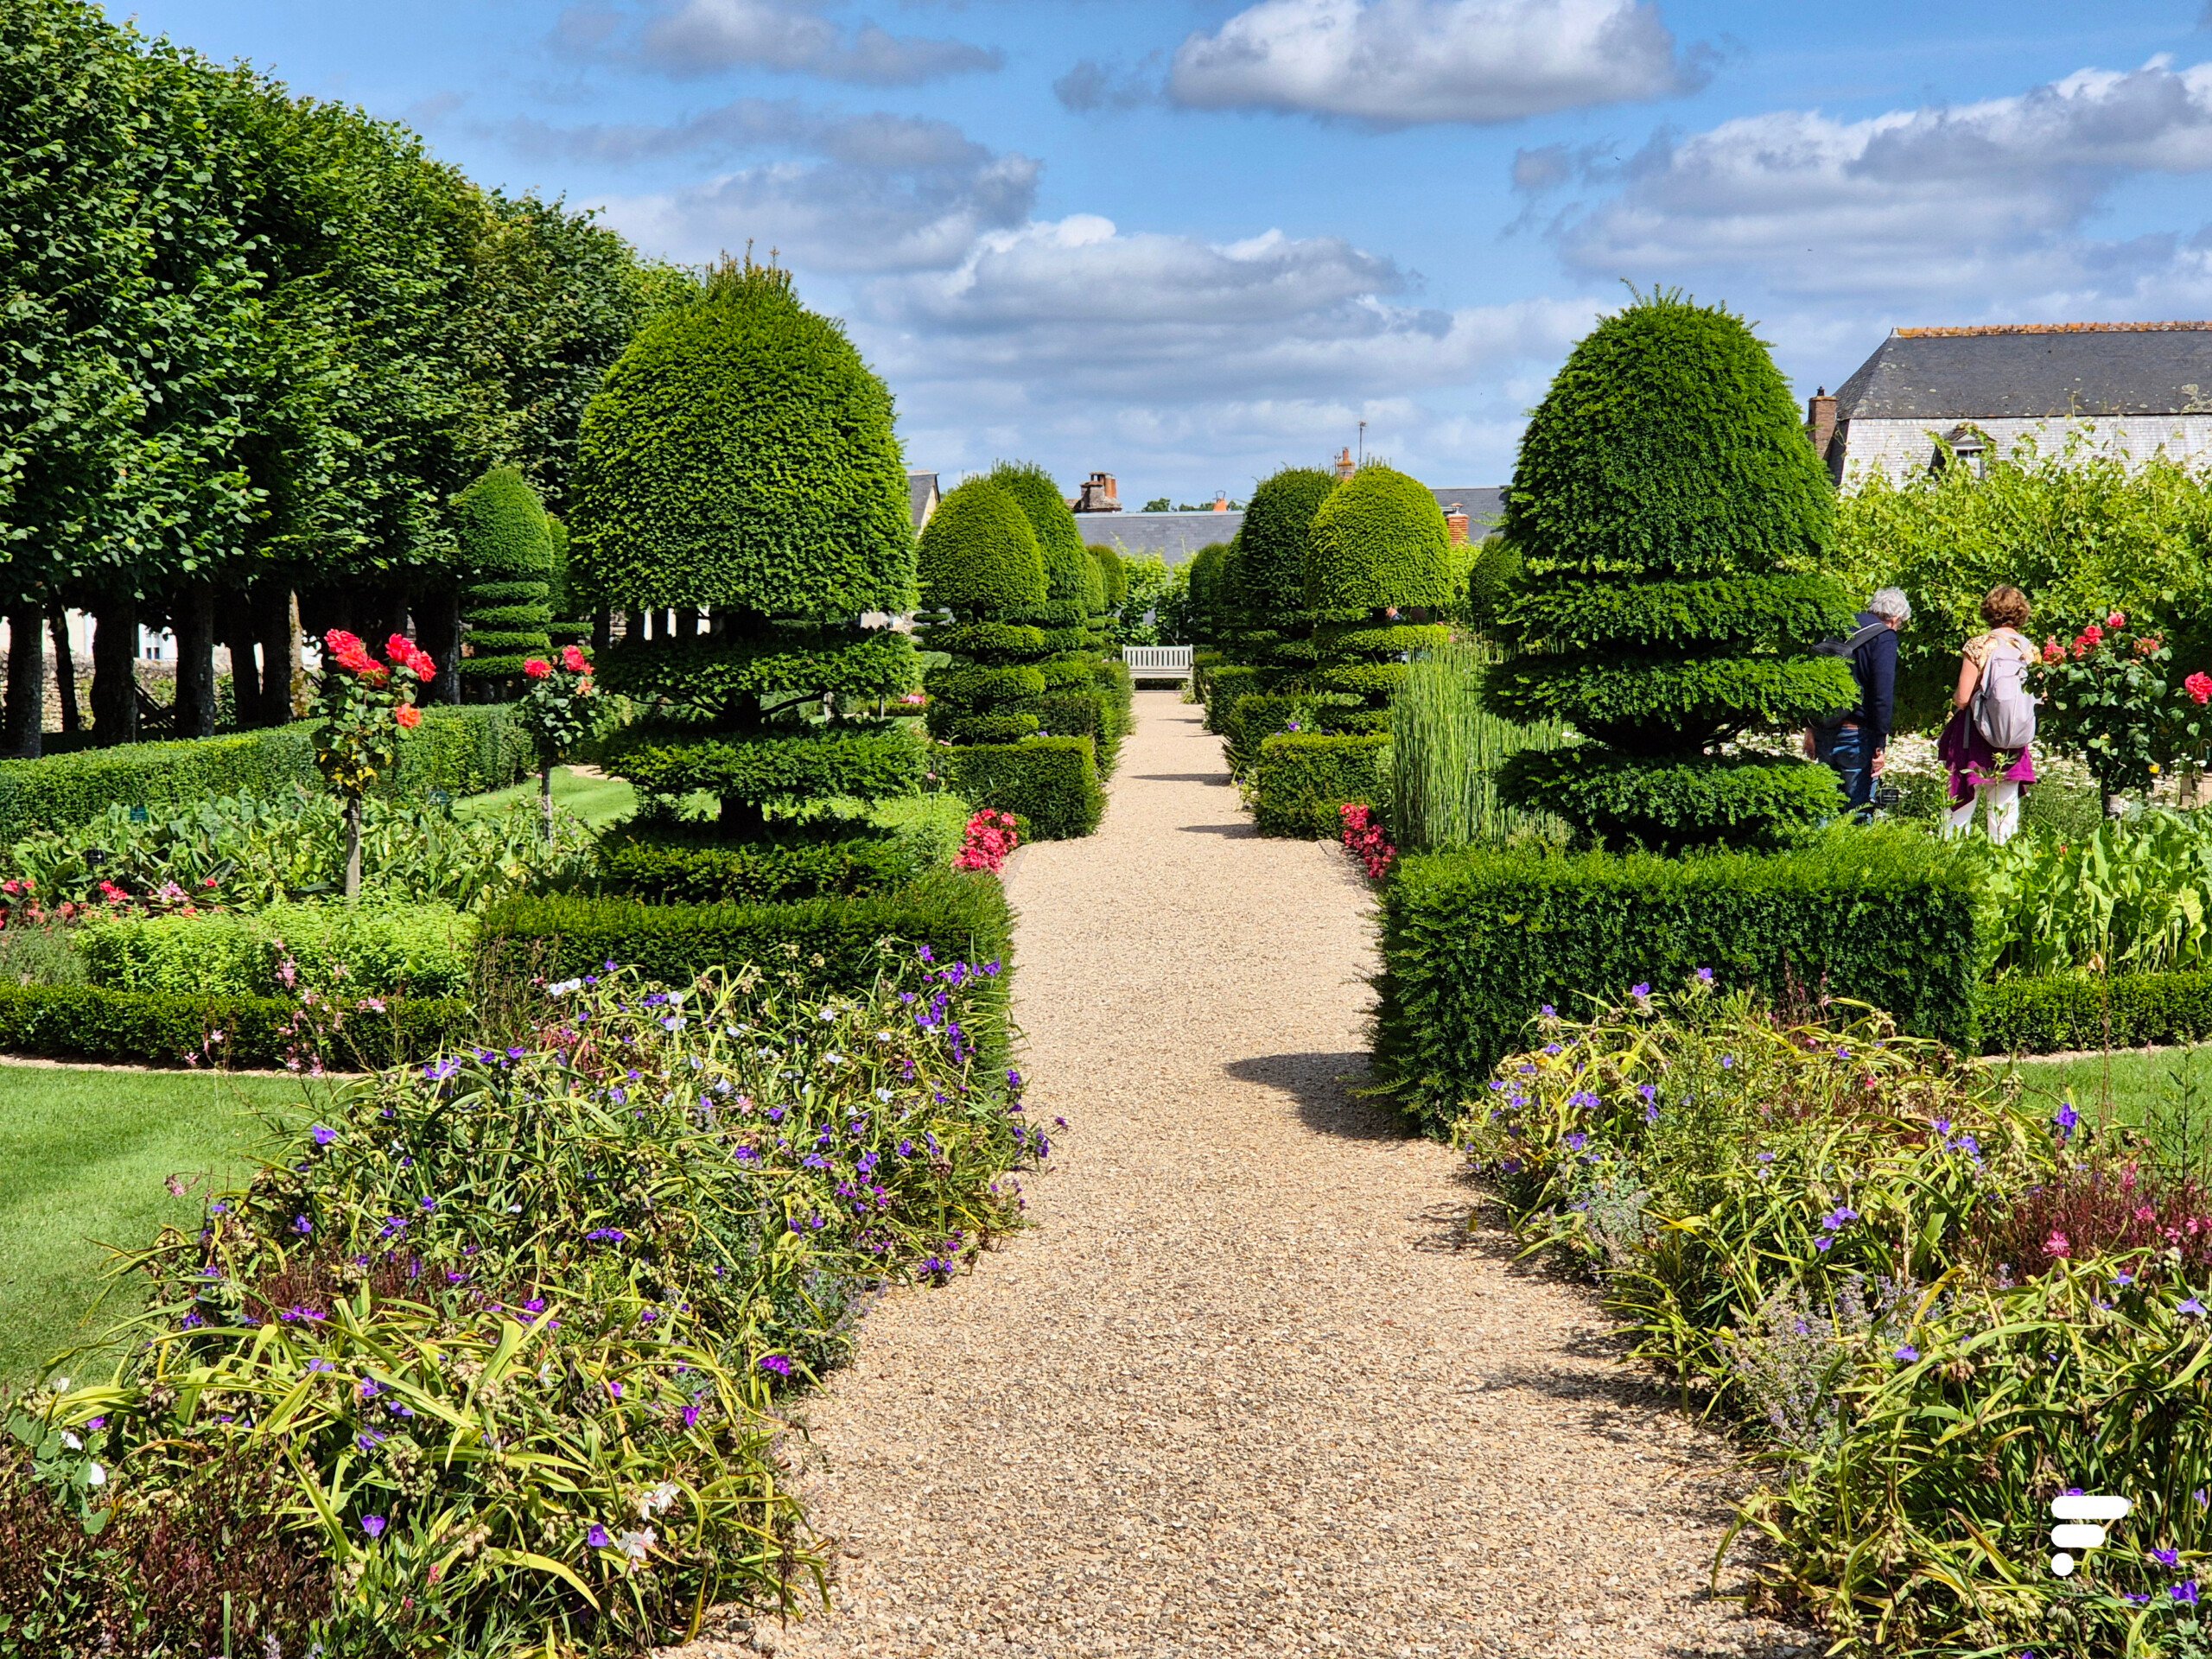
(868, 193)
(1400, 62)
(705, 37)
(1977, 199)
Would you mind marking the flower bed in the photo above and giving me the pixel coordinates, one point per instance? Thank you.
(1928, 1311)
(489, 1358)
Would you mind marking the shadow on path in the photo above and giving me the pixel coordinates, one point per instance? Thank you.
(1320, 1086)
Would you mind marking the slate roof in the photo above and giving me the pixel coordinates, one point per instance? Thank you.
(1484, 505)
(2032, 372)
(1174, 536)
(920, 486)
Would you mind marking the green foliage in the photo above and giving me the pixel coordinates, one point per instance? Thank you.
(1157, 592)
(969, 689)
(1662, 484)
(249, 853)
(2119, 701)
(1493, 578)
(2044, 1014)
(1277, 531)
(979, 558)
(1300, 779)
(2079, 529)
(989, 642)
(793, 772)
(1378, 540)
(647, 864)
(741, 455)
(1222, 688)
(1113, 577)
(1446, 750)
(168, 1028)
(1052, 782)
(1747, 801)
(1475, 942)
(1258, 715)
(384, 949)
(1059, 542)
(2128, 896)
(1667, 445)
(708, 676)
(504, 533)
(1207, 618)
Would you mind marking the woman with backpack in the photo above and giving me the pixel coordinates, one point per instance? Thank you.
(1988, 745)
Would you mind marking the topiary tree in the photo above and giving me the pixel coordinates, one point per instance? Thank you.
(1669, 513)
(571, 624)
(506, 541)
(1203, 618)
(1114, 584)
(1066, 614)
(1378, 568)
(981, 575)
(1278, 527)
(740, 456)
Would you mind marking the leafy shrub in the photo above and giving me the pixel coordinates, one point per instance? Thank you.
(708, 870)
(2044, 1014)
(90, 1022)
(2125, 703)
(1663, 494)
(1474, 943)
(1224, 686)
(506, 544)
(1208, 615)
(1050, 782)
(2129, 897)
(367, 950)
(1446, 752)
(532, 1412)
(980, 561)
(1276, 536)
(1301, 782)
(248, 854)
(1378, 540)
(1259, 715)
(1852, 1247)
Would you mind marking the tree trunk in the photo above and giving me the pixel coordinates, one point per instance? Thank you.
(25, 715)
(237, 626)
(602, 628)
(275, 628)
(115, 673)
(65, 668)
(437, 629)
(195, 663)
(546, 796)
(352, 845)
(687, 622)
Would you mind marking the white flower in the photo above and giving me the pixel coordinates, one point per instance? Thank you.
(635, 1544)
(676, 997)
(656, 1500)
(833, 1058)
(829, 1016)
(71, 1441)
(882, 1036)
(95, 1475)
(883, 1095)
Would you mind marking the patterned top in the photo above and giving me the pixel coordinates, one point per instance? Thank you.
(1964, 749)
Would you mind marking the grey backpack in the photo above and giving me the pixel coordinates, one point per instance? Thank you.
(2003, 709)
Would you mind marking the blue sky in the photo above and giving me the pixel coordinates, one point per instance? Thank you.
(1187, 241)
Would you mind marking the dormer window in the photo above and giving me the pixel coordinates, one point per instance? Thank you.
(1966, 446)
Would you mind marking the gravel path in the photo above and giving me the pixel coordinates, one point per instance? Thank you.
(1248, 1388)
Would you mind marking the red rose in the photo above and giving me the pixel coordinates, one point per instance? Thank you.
(537, 668)
(2052, 650)
(337, 641)
(2199, 687)
(407, 717)
(2093, 634)
(572, 659)
(2117, 619)
(400, 649)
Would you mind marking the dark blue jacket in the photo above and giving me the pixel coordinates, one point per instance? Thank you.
(1874, 665)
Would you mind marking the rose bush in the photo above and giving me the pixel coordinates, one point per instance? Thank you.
(560, 708)
(2113, 696)
(367, 706)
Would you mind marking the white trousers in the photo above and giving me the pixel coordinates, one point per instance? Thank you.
(2004, 803)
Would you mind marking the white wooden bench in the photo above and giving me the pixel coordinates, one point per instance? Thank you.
(1157, 662)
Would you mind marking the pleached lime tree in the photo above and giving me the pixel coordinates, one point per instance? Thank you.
(740, 458)
(1670, 520)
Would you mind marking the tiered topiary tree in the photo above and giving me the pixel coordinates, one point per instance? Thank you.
(1278, 527)
(1670, 519)
(1202, 611)
(740, 456)
(506, 541)
(1114, 584)
(1378, 568)
(1065, 614)
(981, 575)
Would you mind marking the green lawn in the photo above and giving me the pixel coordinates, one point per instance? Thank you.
(85, 1157)
(2170, 1091)
(597, 801)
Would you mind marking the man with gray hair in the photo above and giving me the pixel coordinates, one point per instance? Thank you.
(1856, 741)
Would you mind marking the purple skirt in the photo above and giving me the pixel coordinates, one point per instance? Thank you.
(1972, 762)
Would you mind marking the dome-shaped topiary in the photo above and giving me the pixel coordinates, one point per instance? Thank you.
(1663, 486)
(1379, 541)
(505, 538)
(741, 455)
(978, 556)
(1065, 615)
(1276, 535)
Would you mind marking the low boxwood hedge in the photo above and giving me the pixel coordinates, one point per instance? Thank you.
(1476, 942)
(91, 1022)
(1051, 781)
(690, 870)
(2044, 1014)
(1299, 781)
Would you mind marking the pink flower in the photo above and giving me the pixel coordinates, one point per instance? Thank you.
(2052, 650)
(572, 659)
(2057, 1244)
(2199, 687)
(2117, 619)
(537, 668)
(407, 717)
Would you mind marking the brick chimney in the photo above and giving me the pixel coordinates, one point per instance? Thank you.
(1345, 469)
(1820, 422)
(1456, 522)
(1221, 500)
(1100, 495)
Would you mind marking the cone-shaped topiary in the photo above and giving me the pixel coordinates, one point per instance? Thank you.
(1064, 615)
(505, 538)
(1663, 490)
(740, 456)
(1378, 568)
(1114, 584)
(1278, 529)
(982, 577)
(1203, 612)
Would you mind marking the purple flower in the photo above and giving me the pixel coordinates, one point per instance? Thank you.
(2190, 1308)
(597, 1538)
(1840, 1218)
(1511, 1165)
(1549, 1012)
(323, 1136)
(690, 1416)
(2066, 1120)
(777, 1363)
(605, 1236)
(1705, 975)
(2166, 1557)
(1577, 1141)
(373, 1525)
(1640, 993)
(303, 1226)
(1907, 1352)
(2184, 1592)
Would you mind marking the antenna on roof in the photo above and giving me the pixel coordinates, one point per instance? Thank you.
(1363, 443)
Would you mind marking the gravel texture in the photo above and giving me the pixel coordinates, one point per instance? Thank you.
(1249, 1386)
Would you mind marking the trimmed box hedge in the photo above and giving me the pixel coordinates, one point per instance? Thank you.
(1224, 685)
(1475, 942)
(1301, 780)
(462, 750)
(1051, 781)
(2044, 1014)
(91, 1022)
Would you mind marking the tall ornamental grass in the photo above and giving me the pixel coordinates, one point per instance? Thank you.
(1444, 753)
(1928, 1310)
(489, 1359)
